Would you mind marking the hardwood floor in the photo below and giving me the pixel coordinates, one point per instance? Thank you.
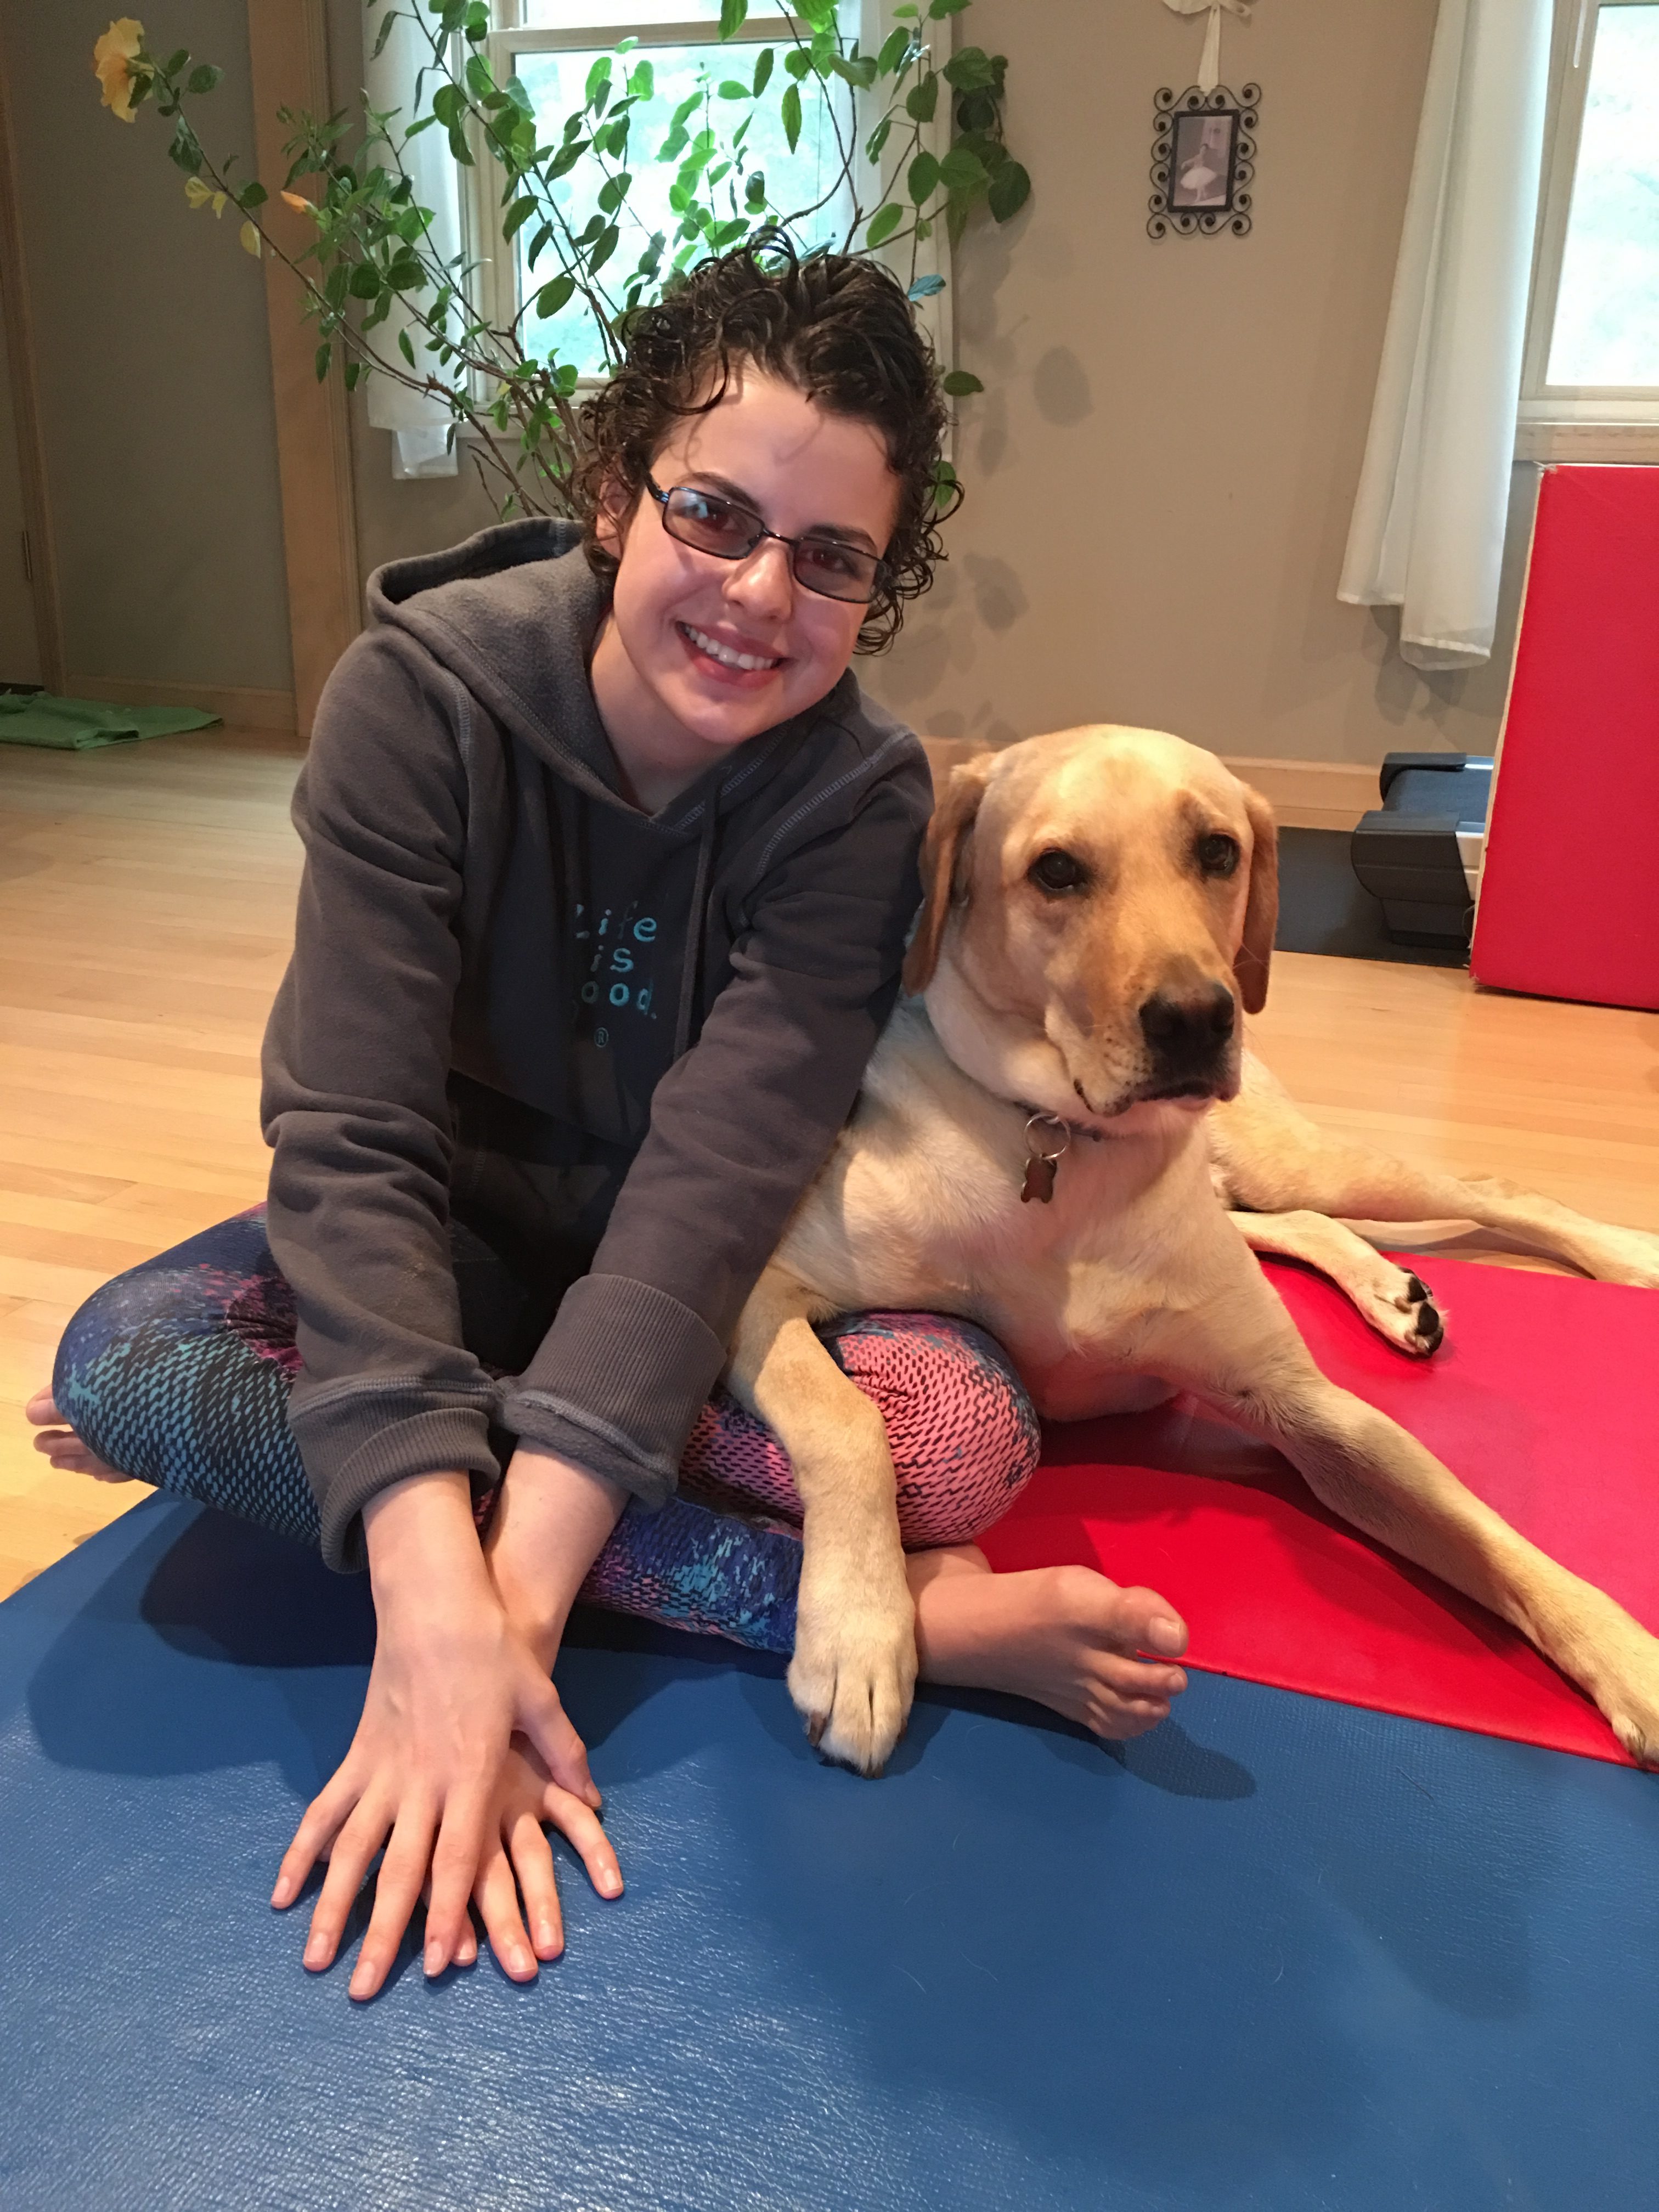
(146, 898)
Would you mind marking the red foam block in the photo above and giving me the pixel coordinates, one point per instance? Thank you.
(1544, 1400)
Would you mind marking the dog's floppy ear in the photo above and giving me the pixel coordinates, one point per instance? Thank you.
(1255, 948)
(942, 874)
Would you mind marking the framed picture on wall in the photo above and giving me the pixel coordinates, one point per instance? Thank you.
(1203, 161)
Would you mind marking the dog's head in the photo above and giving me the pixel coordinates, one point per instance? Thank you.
(1100, 904)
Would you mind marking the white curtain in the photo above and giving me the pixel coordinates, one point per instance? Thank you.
(419, 423)
(1427, 534)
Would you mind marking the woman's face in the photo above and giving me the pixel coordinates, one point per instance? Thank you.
(700, 653)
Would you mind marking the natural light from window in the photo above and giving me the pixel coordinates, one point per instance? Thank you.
(1607, 315)
(557, 83)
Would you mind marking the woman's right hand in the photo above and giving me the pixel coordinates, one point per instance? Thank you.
(452, 1681)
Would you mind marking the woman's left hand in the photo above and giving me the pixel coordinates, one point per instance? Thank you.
(516, 1893)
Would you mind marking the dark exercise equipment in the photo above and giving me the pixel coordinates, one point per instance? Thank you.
(1280, 1954)
(1417, 851)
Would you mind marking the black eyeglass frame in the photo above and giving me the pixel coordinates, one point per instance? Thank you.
(879, 567)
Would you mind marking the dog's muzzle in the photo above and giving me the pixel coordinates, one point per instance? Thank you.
(1188, 1042)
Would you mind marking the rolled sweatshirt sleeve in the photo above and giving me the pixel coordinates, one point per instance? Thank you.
(740, 1126)
(355, 1062)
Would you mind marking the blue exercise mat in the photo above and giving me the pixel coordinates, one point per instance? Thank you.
(1281, 1953)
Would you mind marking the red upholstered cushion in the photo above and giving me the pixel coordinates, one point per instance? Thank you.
(1545, 1401)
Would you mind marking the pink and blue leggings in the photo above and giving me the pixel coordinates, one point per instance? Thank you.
(178, 1373)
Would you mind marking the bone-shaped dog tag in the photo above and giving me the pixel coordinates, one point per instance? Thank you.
(1039, 1182)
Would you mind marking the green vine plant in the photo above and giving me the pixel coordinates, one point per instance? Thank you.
(372, 250)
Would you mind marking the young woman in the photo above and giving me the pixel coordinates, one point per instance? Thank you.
(609, 868)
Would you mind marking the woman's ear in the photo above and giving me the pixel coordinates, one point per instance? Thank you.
(610, 517)
(943, 865)
(1255, 947)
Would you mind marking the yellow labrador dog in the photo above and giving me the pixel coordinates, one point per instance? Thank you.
(1043, 1146)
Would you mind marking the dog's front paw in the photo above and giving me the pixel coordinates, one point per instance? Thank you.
(1628, 1692)
(854, 1667)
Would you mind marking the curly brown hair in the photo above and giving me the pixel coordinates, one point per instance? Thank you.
(836, 326)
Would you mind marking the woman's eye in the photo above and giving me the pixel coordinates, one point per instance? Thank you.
(1058, 871)
(1217, 855)
(828, 559)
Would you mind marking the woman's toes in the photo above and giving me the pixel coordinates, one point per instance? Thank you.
(1128, 1620)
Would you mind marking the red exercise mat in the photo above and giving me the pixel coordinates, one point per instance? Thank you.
(1543, 1400)
(1568, 894)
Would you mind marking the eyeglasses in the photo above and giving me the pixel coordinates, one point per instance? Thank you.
(711, 523)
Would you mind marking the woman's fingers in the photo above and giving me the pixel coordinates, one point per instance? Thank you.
(533, 1862)
(324, 1817)
(397, 1893)
(579, 1827)
(455, 1860)
(543, 1719)
(349, 1859)
(497, 1898)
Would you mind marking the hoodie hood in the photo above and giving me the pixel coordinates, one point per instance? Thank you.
(513, 613)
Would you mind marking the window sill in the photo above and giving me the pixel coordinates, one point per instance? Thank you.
(1633, 443)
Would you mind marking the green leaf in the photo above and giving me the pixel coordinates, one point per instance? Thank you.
(205, 78)
(480, 82)
(762, 71)
(598, 85)
(859, 71)
(184, 148)
(878, 139)
(324, 356)
(174, 62)
(388, 24)
(642, 85)
(925, 288)
(820, 14)
(614, 191)
(354, 372)
(789, 108)
(405, 349)
(604, 246)
(798, 61)
(893, 51)
(553, 296)
(252, 196)
(449, 105)
(941, 9)
(1011, 188)
(733, 14)
(969, 70)
(538, 244)
(921, 101)
(733, 90)
(517, 215)
(922, 182)
(334, 290)
(460, 151)
(961, 171)
(365, 282)
(885, 222)
(959, 384)
(677, 120)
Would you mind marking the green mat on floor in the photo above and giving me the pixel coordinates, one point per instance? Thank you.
(74, 726)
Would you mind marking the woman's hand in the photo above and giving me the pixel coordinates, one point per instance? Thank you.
(518, 1863)
(452, 1681)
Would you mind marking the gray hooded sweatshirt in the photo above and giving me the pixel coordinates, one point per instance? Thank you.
(606, 1049)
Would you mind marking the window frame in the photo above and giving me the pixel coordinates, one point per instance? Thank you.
(1583, 423)
(481, 216)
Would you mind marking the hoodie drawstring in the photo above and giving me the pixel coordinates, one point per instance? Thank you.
(697, 925)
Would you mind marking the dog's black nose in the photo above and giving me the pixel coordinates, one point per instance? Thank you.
(1187, 1035)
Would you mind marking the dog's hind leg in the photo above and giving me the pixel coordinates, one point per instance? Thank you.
(855, 1665)
(1398, 1306)
(1267, 1156)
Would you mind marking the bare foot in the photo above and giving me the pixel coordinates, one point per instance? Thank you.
(68, 1454)
(1064, 1636)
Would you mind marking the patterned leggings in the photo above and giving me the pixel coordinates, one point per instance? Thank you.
(179, 1372)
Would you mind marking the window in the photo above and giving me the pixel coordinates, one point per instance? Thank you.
(552, 45)
(1591, 384)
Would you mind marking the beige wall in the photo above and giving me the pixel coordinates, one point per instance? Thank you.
(1161, 472)
(150, 336)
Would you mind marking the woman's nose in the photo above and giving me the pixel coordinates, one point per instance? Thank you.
(763, 582)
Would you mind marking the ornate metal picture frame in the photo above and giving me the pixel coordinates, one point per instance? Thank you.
(1203, 160)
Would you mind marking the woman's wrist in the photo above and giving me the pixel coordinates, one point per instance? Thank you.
(550, 1525)
(422, 1544)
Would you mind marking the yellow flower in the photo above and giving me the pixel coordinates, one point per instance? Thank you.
(112, 63)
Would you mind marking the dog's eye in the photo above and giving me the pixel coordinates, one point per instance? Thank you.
(1217, 855)
(1056, 871)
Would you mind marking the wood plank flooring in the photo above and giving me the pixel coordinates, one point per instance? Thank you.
(146, 902)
